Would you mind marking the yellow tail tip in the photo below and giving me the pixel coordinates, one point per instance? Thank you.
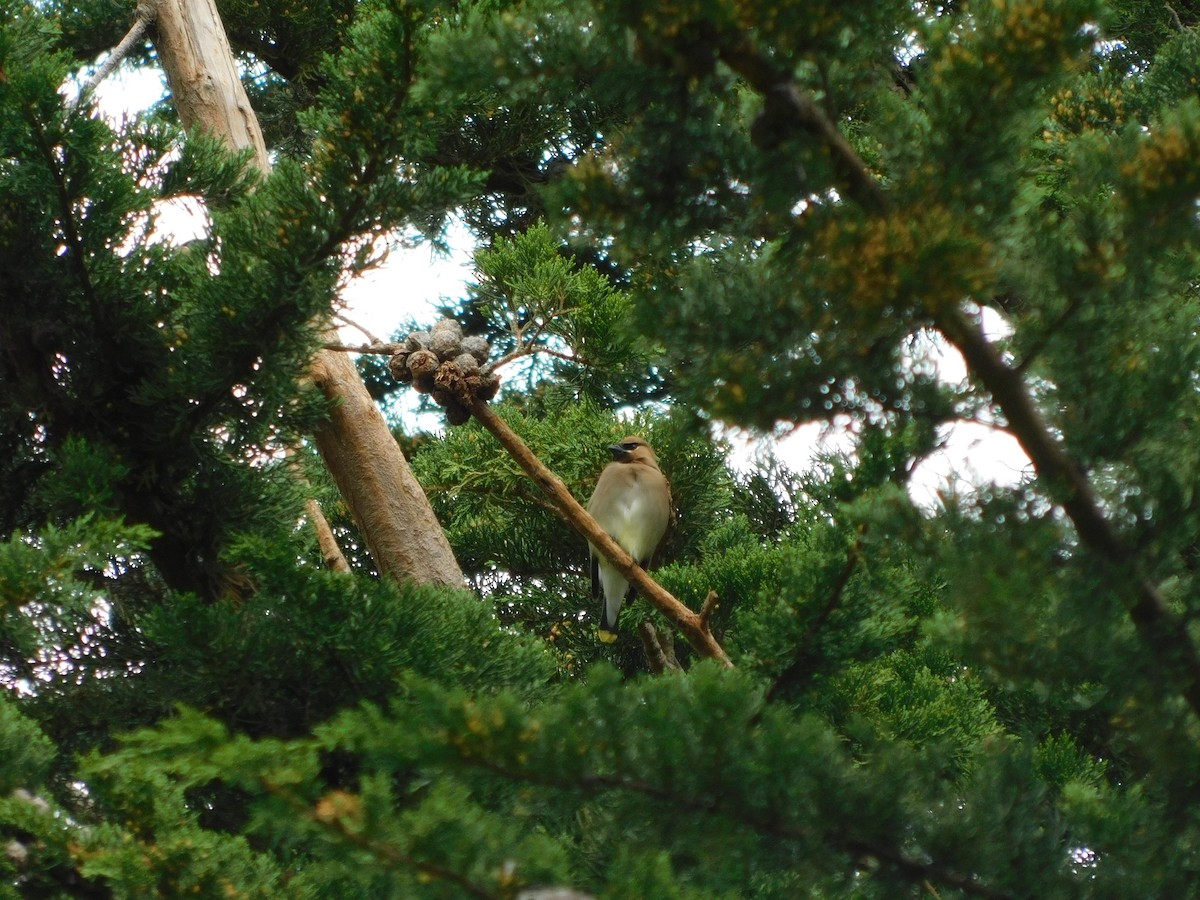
(606, 637)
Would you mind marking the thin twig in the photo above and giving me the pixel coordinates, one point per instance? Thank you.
(381, 349)
(660, 655)
(1032, 354)
(529, 349)
(1175, 17)
(710, 606)
(375, 339)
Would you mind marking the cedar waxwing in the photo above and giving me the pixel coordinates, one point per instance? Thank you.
(632, 502)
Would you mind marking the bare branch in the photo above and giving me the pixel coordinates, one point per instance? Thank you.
(382, 349)
(529, 349)
(373, 338)
(660, 654)
(330, 551)
(146, 13)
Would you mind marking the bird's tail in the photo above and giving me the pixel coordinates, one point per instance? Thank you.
(615, 590)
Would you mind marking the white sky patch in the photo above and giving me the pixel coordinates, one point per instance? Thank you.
(970, 454)
(128, 91)
(410, 283)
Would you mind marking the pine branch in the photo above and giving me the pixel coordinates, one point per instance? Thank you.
(388, 854)
(66, 213)
(799, 673)
(769, 825)
(1168, 641)
(787, 110)
(1171, 646)
(697, 632)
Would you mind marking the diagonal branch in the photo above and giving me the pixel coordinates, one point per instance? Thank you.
(788, 110)
(146, 11)
(800, 671)
(688, 622)
(1172, 647)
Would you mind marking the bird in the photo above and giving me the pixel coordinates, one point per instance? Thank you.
(632, 502)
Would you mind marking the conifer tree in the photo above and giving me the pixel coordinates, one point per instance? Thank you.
(753, 213)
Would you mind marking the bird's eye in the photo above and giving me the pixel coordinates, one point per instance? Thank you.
(629, 445)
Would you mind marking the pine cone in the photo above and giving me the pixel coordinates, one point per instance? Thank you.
(398, 366)
(422, 362)
(477, 346)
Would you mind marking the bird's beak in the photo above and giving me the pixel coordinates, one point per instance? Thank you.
(618, 452)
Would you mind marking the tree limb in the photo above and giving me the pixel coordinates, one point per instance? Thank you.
(688, 622)
(787, 110)
(375, 339)
(1165, 637)
(389, 854)
(917, 869)
(399, 526)
(331, 553)
(146, 12)
(800, 671)
(387, 349)
(1172, 648)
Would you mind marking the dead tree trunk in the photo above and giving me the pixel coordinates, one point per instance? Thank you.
(393, 513)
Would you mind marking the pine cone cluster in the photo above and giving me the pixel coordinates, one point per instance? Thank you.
(447, 366)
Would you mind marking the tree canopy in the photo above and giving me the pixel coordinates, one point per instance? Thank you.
(686, 213)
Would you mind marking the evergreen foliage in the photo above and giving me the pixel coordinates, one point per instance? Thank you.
(687, 212)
